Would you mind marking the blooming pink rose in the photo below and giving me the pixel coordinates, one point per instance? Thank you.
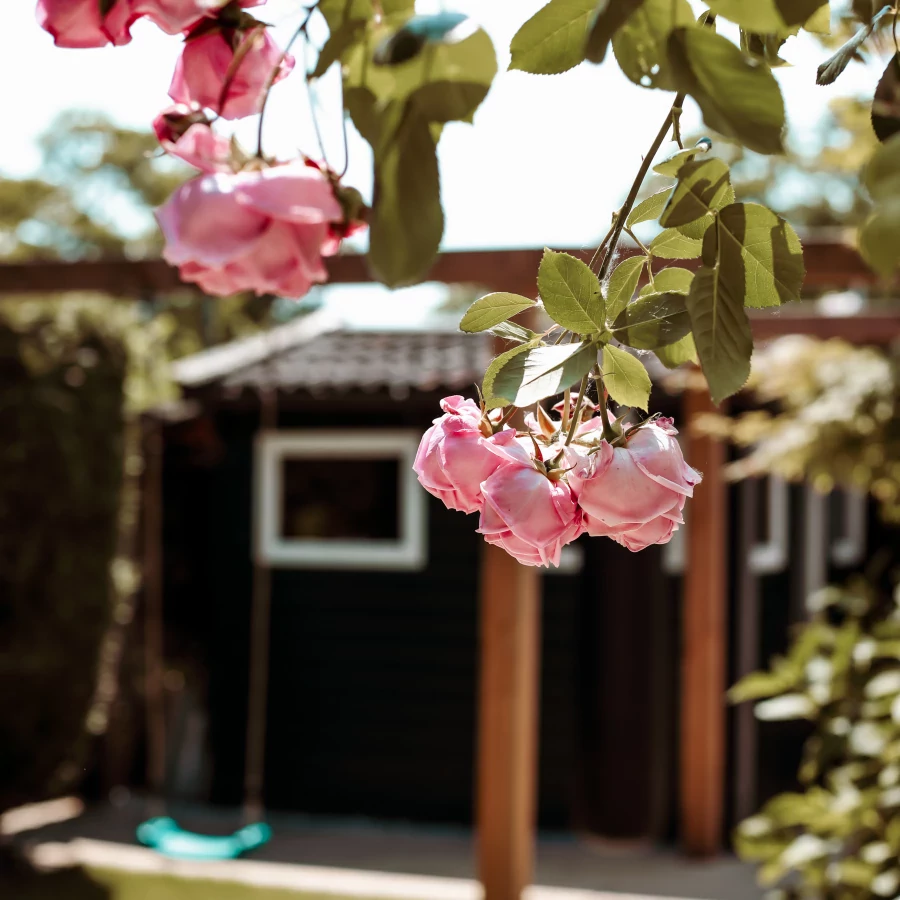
(79, 23)
(263, 230)
(175, 16)
(635, 493)
(454, 457)
(184, 131)
(202, 69)
(529, 514)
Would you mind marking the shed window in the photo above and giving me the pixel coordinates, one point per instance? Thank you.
(329, 499)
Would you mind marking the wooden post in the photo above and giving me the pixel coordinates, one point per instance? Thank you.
(260, 625)
(508, 724)
(704, 642)
(154, 699)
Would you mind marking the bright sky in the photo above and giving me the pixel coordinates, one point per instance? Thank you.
(546, 162)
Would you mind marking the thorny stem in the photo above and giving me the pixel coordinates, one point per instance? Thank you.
(576, 415)
(567, 402)
(608, 431)
(622, 214)
(273, 76)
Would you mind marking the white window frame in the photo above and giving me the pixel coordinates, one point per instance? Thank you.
(270, 451)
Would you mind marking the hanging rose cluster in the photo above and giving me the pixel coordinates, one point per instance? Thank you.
(536, 491)
(246, 223)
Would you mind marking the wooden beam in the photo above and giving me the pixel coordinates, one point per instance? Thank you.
(829, 264)
(508, 724)
(704, 642)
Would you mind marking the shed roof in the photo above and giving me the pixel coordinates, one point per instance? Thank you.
(320, 353)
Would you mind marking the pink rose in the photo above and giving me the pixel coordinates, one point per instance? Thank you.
(184, 131)
(80, 24)
(202, 69)
(176, 16)
(635, 493)
(531, 515)
(263, 230)
(454, 458)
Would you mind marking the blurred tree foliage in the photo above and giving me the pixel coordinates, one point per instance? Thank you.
(838, 839)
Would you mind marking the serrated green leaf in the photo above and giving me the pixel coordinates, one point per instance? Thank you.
(571, 293)
(640, 44)
(492, 309)
(648, 209)
(886, 103)
(653, 320)
(407, 220)
(672, 244)
(764, 46)
(697, 229)
(673, 164)
(738, 98)
(609, 16)
(702, 187)
(721, 334)
(781, 17)
(679, 353)
(543, 372)
(832, 68)
(673, 279)
(553, 39)
(622, 285)
(492, 401)
(512, 331)
(625, 377)
(757, 255)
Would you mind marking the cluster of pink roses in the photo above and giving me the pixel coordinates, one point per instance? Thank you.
(535, 494)
(244, 223)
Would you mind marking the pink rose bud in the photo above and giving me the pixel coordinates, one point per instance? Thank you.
(261, 230)
(635, 493)
(454, 456)
(80, 24)
(531, 515)
(202, 72)
(184, 131)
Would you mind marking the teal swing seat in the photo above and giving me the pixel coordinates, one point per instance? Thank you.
(166, 837)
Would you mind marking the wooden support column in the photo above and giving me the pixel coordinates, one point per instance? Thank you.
(508, 723)
(704, 642)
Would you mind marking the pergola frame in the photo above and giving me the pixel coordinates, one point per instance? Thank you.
(510, 593)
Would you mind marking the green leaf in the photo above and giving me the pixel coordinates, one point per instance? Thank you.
(342, 37)
(640, 44)
(648, 209)
(672, 244)
(698, 228)
(820, 21)
(553, 39)
(781, 17)
(571, 293)
(445, 83)
(764, 46)
(738, 98)
(671, 166)
(881, 174)
(677, 354)
(653, 320)
(832, 68)
(622, 284)
(407, 220)
(702, 187)
(512, 331)
(492, 309)
(397, 7)
(339, 12)
(491, 400)
(886, 103)
(625, 377)
(543, 372)
(757, 254)
(673, 280)
(879, 237)
(610, 15)
(721, 334)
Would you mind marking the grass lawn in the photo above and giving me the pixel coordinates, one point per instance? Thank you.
(106, 884)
